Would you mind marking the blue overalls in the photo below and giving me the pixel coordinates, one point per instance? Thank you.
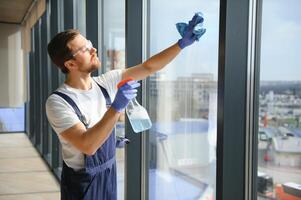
(97, 181)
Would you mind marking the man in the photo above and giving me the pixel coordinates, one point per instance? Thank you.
(84, 110)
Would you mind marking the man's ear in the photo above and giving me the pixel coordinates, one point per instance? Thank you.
(70, 65)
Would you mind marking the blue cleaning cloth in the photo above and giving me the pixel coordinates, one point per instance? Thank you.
(198, 29)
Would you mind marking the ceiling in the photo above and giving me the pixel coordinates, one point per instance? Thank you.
(13, 11)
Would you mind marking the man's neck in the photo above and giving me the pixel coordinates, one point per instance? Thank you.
(82, 82)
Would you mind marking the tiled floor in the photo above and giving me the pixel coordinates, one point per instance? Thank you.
(23, 173)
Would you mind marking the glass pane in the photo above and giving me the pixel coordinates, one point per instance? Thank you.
(80, 16)
(279, 134)
(183, 105)
(12, 119)
(114, 58)
(114, 35)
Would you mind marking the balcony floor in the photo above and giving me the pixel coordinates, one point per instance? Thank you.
(23, 173)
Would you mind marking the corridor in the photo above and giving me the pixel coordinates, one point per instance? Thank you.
(23, 173)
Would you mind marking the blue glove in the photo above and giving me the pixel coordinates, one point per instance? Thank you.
(124, 95)
(192, 31)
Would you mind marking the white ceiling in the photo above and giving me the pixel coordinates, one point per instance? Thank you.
(13, 11)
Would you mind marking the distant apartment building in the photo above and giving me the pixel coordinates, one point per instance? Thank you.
(283, 105)
(286, 151)
(185, 97)
(193, 93)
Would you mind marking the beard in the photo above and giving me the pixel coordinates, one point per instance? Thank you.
(93, 66)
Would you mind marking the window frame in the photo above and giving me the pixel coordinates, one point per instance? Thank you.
(133, 151)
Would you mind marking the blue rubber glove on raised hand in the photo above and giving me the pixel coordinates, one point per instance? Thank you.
(192, 31)
(126, 92)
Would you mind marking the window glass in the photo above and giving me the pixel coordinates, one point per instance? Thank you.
(183, 105)
(279, 134)
(113, 54)
(12, 119)
(114, 35)
(80, 16)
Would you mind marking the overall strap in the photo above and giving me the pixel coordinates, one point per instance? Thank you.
(105, 94)
(73, 105)
(120, 141)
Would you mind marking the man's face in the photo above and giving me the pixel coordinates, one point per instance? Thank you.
(84, 54)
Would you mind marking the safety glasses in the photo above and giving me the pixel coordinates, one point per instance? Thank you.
(85, 48)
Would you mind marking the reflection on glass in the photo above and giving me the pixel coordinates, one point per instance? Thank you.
(182, 105)
(12, 119)
(114, 58)
(114, 35)
(80, 16)
(279, 134)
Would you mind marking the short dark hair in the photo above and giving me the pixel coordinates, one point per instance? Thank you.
(58, 49)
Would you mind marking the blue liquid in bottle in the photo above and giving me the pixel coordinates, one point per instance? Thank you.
(138, 116)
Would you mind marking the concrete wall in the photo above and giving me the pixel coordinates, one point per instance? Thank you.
(14, 49)
(12, 92)
(34, 15)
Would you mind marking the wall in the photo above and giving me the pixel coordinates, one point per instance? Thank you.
(11, 66)
(32, 17)
(14, 48)
(35, 13)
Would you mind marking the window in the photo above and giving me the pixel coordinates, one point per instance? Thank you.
(113, 54)
(12, 119)
(183, 105)
(279, 134)
(80, 16)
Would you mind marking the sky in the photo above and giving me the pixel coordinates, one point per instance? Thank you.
(280, 42)
(200, 57)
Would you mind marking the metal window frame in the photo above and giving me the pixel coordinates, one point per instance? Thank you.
(100, 10)
(31, 105)
(92, 21)
(48, 157)
(145, 146)
(237, 78)
(45, 85)
(253, 166)
(37, 86)
(68, 14)
(52, 5)
(55, 9)
(134, 47)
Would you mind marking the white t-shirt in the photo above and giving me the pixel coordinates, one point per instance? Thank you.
(92, 105)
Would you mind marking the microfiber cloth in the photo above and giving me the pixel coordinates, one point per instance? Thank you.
(198, 29)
